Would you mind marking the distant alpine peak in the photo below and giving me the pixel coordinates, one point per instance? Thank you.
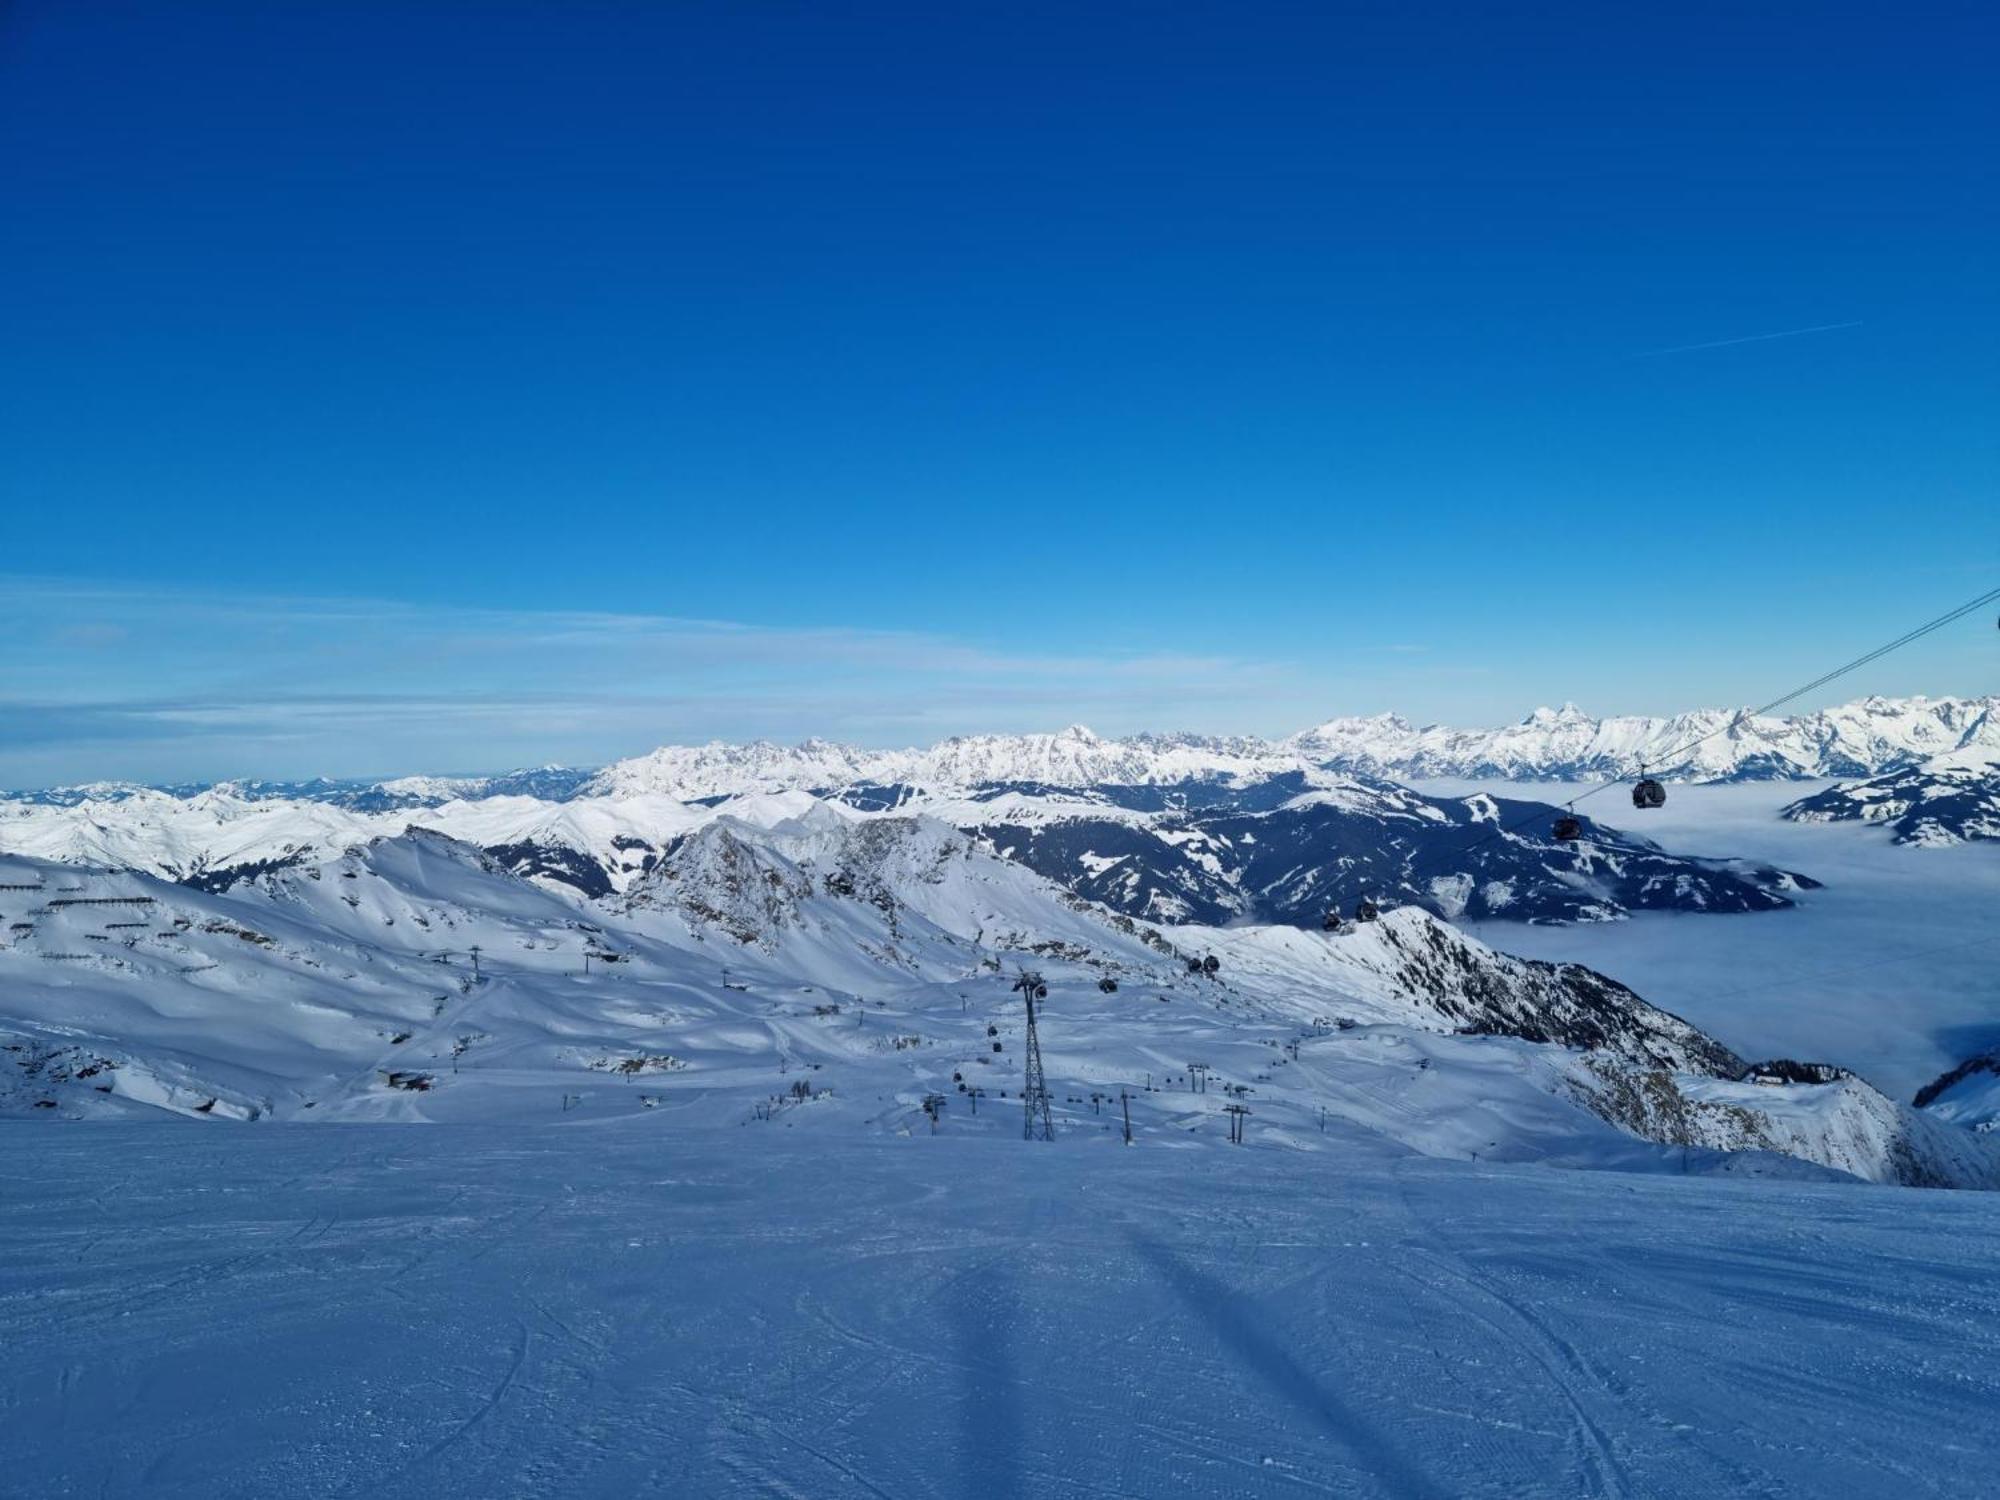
(1353, 724)
(1569, 713)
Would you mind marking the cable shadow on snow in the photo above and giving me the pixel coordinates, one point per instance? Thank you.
(982, 1310)
(1234, 1320)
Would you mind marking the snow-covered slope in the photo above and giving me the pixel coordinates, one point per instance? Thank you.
(1282, 847)
(222, 835)
(1845, 1123)
(1948, 799)
(674, 1303)
(1967, 1095)
(849, 969)
(1292, 848)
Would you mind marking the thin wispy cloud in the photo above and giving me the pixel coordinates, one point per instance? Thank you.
(1749, 338)
(153, 684)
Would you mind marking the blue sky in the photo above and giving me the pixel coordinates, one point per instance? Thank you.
(447, 386)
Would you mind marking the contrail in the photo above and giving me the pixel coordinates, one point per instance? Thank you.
(1755, 338)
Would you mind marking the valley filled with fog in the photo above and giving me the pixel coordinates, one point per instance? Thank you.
(1889, 969)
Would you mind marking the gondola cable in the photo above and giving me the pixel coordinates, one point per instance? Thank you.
(1569, 820)
(1667, 757)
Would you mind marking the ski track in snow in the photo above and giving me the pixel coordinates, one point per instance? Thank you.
(640, 1307)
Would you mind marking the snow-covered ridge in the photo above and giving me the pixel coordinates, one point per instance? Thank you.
(1072, 757)
(853, 968)
(1948, 799)
(1221, 856)
(1285, 848)
(1567, 744)
(1967, 1095)
(1859, 738)
(1863, 738)
(551, 783)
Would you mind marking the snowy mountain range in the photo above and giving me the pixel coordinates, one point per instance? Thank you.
(1166, 827)
(1862, 738)
(1948, 799)
(834, 971)
(1283, 848)
(829, 934)
(1295, 847)
(1562, 744)
(1566, 744)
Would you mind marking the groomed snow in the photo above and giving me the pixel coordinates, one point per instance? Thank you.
(664, 1305)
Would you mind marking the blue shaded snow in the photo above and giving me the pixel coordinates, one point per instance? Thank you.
(657, 1307)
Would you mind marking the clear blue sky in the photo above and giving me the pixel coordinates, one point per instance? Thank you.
(450, 384)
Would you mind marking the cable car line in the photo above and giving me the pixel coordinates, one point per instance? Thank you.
(1666, 757)
(1569, 829)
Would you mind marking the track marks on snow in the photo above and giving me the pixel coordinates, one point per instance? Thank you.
(1596, 1403)
(1238, 1325)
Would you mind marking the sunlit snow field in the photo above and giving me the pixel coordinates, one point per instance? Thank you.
(646, 1307)
(1893, 969)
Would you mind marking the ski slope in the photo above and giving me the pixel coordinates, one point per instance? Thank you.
(667, 1305)
(846, 970)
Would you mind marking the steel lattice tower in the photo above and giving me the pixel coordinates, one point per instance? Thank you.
(1036, 1121)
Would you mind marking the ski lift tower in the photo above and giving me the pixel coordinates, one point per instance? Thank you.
(1036, 1123)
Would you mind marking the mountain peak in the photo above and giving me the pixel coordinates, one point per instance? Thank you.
(1569, 713)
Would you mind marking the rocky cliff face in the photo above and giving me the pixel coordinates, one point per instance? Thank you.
(1476, 990)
